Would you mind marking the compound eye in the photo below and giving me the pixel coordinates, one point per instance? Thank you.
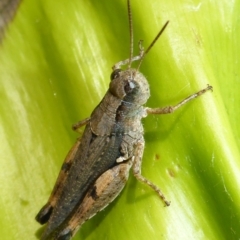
(115, 74)
(130, 85)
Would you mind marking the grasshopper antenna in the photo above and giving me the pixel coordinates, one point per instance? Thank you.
(130, 33)
(144, 53)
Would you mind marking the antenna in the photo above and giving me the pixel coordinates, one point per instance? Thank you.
(151, 45)
(130, 33)
(142, 53)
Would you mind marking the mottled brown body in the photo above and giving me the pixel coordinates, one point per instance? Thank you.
(108, 143)
(97, 167)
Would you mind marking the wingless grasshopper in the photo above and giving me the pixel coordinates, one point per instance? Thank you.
(97, 167)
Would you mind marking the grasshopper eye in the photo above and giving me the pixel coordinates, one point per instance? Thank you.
(115, 74)
(130, 85)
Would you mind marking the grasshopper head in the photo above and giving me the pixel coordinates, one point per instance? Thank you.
(130, 86)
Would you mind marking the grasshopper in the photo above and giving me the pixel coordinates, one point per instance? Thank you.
(97, 167)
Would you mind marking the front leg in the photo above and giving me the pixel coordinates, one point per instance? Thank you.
(80, 124)
(137, 162)
(171, 109)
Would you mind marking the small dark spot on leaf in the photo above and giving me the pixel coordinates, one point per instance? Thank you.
(171, 173)
(24, 202)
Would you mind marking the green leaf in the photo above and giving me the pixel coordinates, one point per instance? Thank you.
(55, 64)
